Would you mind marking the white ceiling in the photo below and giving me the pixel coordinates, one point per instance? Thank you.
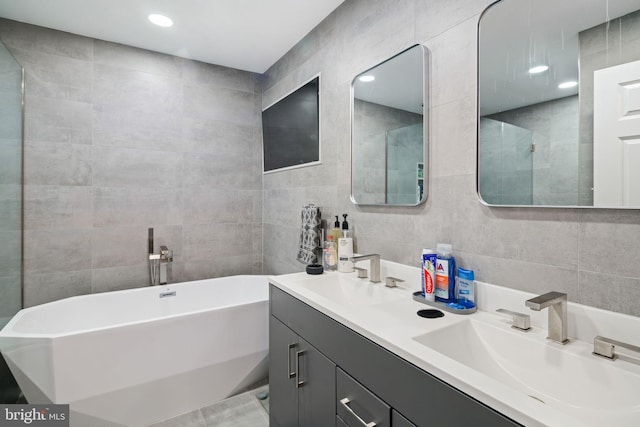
(516, 35)
(399, 82)
(248, 35)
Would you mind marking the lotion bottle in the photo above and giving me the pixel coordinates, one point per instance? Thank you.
(345, 249)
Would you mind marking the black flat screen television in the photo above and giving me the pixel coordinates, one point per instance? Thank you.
(291, 129)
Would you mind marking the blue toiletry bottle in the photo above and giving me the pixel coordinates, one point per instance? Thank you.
(466, 288)
(445, 274)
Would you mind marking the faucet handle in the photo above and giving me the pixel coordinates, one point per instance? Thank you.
(362, 272)
(392, 282)
(520, 321)
(605, 347)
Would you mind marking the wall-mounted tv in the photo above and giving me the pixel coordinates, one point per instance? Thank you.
(291, 129)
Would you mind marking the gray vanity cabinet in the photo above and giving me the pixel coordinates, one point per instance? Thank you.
(380, 386)
(301, 381)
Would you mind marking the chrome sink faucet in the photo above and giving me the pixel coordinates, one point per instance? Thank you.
(556, 302)
(374, 262)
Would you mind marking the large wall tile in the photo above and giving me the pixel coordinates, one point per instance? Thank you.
(43, 288)
(120, 278)
(146, 207)
(57, 77)
(132, 58)
(221, 170)
(44, 40)
(213, 103)
(47, 207)
(125, 167)
(57, 163)
(216, 75)
(57, 250)
(57, 120)
(211, 205)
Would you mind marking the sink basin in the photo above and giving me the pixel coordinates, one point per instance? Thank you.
(598, 391)
(360, 292)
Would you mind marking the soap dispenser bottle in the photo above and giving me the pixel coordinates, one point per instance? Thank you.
(345, 249)
(335, 232)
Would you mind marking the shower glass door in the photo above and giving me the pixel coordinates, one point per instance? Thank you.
(506, 163)
(11, 96)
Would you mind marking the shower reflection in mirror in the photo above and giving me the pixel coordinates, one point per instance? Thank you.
(549, 81)
(388, 144)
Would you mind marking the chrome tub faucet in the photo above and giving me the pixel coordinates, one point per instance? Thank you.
(556, 302)
(158, 263)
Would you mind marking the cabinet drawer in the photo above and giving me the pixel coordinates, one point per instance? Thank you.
(340, 423)
(357, 406)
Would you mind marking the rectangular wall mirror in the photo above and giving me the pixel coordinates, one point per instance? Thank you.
(559, 103)
(388, 131)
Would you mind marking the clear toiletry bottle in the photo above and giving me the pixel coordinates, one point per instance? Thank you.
(330, 254)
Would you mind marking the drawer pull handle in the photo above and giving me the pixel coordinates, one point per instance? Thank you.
(299, 383)
(345, 402)
(291, 347)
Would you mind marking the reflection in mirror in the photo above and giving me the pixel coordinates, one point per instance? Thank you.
(559, 103)
(388, 144)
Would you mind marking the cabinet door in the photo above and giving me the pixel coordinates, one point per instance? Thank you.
(283, 402)
(316, 387)
(398, 420)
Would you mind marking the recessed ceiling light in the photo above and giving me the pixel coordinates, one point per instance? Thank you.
(538, 69)
(567, 85)
(160, 20)
(367, 78)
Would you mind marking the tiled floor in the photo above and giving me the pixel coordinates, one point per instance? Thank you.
(243, 410)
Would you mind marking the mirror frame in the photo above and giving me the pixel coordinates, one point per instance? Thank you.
(425, 128)
(482, 201)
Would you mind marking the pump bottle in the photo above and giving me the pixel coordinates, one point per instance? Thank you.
(345, 249)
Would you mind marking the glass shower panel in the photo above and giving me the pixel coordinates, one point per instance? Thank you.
(404, 157)
(11, 95)
(505, 163)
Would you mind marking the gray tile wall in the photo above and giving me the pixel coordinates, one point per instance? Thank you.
(590, 254)
(119, 139)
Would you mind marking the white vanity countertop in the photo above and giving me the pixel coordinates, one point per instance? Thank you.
(388, 317)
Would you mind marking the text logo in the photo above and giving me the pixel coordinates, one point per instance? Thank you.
(34, 415)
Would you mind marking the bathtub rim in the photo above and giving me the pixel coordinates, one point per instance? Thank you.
(8, 332)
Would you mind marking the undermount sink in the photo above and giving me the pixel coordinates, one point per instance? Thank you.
(597, 391)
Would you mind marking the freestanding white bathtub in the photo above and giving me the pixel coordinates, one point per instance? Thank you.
(135, 357)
